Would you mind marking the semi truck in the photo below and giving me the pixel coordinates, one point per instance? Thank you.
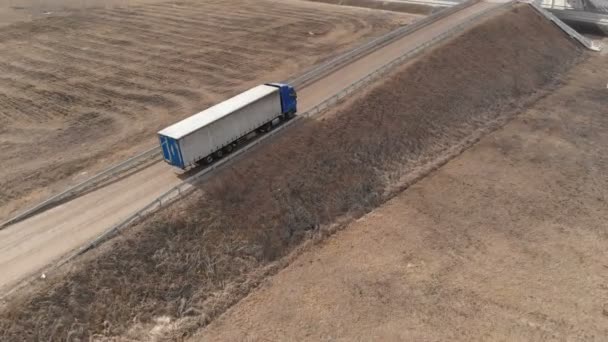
(217, 131)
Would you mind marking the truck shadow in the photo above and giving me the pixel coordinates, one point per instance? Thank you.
(239, 152)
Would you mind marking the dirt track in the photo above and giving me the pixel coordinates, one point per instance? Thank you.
(88, 88)
(507, 242)
(385, 5)
(185, 265)
(28, 246)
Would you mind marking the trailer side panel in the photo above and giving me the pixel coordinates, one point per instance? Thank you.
(227, 129)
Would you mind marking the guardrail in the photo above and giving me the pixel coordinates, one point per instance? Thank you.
(298, 82)
(588, 43)
(356, 53)
(188, 185)
(105, 176)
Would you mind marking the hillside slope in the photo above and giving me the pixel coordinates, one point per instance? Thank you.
(507, 242)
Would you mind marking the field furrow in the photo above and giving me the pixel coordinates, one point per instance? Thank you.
(91, 86)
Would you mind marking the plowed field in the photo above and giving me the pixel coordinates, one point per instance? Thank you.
(82, 90)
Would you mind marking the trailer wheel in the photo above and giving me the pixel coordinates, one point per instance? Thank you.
(229, 149)
(219, 154)
(265, 128)
(208, 159)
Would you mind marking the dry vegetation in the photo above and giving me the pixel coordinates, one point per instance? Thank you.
(80, 92)
(318, 172)
(506, 242)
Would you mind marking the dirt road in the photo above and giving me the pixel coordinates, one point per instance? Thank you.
(399, 6)
(505, 243)
(30, 245)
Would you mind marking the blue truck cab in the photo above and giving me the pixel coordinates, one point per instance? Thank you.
(289, 98)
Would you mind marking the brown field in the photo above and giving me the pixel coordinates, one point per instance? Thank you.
(183, 266)
(90, 87)
(507, 242)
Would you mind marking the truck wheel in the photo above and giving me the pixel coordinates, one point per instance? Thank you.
(219, 154)
(287, 116)
(229, 149)
(209, 159)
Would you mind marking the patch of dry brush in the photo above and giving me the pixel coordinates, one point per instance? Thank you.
(318, 172)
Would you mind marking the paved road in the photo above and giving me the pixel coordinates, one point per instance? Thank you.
(27, 247)
(594, 6)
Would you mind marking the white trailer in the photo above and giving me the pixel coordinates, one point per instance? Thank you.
(215, 130)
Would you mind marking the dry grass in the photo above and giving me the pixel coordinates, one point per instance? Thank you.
(310, 177)
(507, 241)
